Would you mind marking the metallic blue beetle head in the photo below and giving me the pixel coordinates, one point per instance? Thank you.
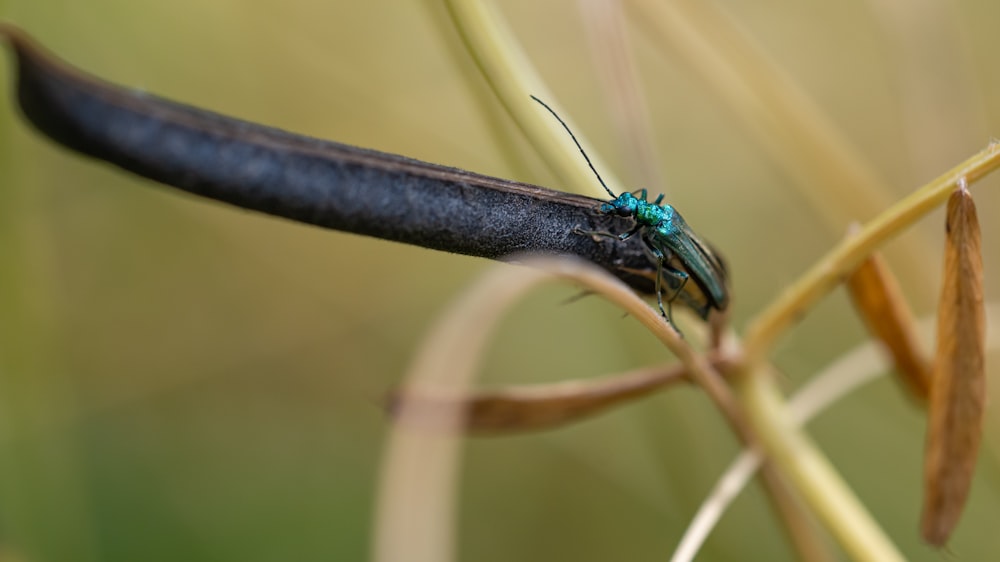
(624, 205)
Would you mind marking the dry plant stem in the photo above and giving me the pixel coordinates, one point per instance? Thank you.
(729, 486)
(810, 473)
(539, 407)
(764, 330)
(958, 392)
(513, 78)
(546, 406)
(710, 380)
(790, 448)
(799, 526)
(852, 370)
(697, 366)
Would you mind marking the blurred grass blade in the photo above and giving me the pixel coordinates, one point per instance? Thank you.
(511, 76)
(801, 138)
(417, 499)
(958, 392)
(877, 297)
(941, 106)
(618, 76)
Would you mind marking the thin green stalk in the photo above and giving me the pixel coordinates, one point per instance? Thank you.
(764, 330)
(790, 447)
(819, 484)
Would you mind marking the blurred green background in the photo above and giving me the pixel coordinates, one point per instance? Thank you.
(180, 380)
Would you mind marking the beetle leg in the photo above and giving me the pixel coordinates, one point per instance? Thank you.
(677, 274)
(626, 235)
(663, 267)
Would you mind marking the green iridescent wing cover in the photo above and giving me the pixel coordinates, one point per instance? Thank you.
(694, 256)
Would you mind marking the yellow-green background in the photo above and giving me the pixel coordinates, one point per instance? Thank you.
(180, 380)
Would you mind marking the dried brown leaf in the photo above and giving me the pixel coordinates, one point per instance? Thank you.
(958, 390)
(544, 406)
(877, 298)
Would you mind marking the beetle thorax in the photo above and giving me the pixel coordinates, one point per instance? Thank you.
(652, 215)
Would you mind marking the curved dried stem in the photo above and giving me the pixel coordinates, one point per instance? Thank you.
(415, 514)
(537, 407)
(789, 447)
(697, 366)
(415, 506)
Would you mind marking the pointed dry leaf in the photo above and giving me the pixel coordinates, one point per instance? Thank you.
(877, 297)
(538, 407)
(958, 390)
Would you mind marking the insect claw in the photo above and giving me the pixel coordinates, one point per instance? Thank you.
(667, 315)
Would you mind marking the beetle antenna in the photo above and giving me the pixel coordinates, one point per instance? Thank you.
(572, 136)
